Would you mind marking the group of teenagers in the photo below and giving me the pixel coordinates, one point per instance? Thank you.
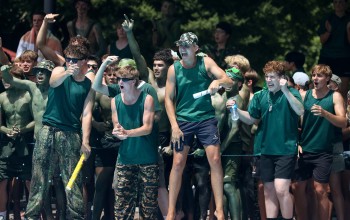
(138, 128)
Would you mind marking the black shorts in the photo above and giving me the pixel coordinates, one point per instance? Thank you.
(206, 132)
(106, 155)
(256, 167)
(276, 167)
(316, 165)
(14, 166)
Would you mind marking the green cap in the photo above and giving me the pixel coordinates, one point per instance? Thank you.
(235, 74)
(127, 62)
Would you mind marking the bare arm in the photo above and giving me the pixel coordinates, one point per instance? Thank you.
(339, 119)
(170, 107)
(48, 53)
(97, 85)
(17, 83)
(86, 123)
(296, 105)
(221, 78)
(59, 74)
(3, 128)
(147, 119)
(135, 49)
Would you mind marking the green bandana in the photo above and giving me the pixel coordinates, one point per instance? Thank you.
(235, 74)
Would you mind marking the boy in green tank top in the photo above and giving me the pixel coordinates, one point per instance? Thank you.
(133, 121)
(276, 109)
(191, 116)
(324, 111)
(65, 133)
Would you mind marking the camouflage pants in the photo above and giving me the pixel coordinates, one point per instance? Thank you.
(56, 153)
(132, 179)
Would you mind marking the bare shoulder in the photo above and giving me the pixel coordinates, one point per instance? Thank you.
(337, 97)
(58, 69)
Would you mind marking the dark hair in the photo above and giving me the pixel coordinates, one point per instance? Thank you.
(88, 2)
(296, 57)
(94, 58)
(39, 13)
(251, 74)
(78, 51)
(80, 40)
(164, 55)
(225, 26)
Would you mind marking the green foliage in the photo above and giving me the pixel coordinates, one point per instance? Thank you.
(262, 30)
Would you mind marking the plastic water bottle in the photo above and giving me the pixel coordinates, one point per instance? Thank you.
(234, 113)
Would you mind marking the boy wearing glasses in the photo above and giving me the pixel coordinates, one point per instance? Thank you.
(133, 121)
(68, 115)
(191, 116)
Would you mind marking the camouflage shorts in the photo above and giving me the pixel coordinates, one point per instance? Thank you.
(131, 180)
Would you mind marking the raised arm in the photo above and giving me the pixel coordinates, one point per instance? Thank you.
(17, 83)
(59, 74)
(296, 105)
(48, 53)
(97, 85)
(221, 79)
(135, 49)
(3, 58)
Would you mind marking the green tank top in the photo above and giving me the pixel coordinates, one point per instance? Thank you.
(317, 132)
(188, 82)
(136, 150)
(65, 104)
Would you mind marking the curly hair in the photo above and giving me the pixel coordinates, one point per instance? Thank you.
(274, 67)
(78, 51)
(164, 55)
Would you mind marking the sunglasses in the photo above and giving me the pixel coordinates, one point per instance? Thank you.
(92, 66)
(124, 79)
(73, 60)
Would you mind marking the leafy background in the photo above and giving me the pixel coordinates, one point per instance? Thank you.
(262, 29)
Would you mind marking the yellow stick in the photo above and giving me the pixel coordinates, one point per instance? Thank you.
(75, 173)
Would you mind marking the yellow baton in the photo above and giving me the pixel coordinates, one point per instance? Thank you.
(75, 173)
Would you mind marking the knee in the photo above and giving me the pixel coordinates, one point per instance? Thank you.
(282, 191)
(229, 188)
(179, 165)
(215, 161)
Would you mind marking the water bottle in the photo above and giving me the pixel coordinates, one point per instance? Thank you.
(234, 113)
